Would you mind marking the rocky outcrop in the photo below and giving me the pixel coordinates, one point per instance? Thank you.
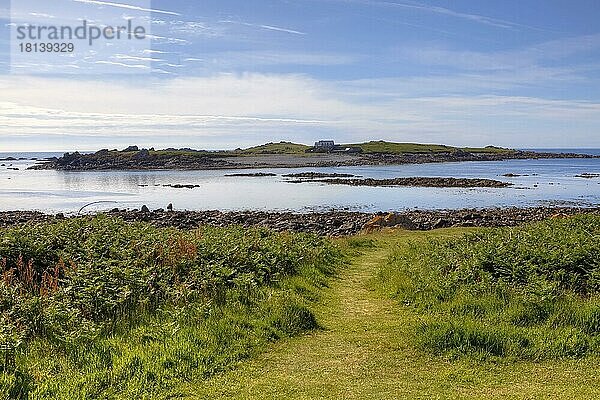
(132, 160)
(416, 182)
(256, 175)
(494, 217)
(319, 175)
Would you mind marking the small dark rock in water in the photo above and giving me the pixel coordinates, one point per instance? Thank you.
(13, 169)
(170, 207)
(588, 176)
(317, 175)
(145, 209)
(513, 175)
(255, 175)
(182, 186)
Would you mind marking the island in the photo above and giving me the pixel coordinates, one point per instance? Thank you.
(286, 155)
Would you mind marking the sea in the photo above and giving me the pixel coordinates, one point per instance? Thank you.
(554, 182)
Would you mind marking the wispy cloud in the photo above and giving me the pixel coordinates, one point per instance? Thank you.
(166, 39)
(125, 6)
(551, 64)
(236, 59)
(135, 58)
(267, 27)
(119, 64)
(42, 15)
(481, 19)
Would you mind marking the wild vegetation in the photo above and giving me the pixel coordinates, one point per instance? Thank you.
(373, 147)
(530, 292)
(383, 147)
(276, 148)
(99, 308)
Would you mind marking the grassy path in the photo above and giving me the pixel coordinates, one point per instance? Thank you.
(364, 352)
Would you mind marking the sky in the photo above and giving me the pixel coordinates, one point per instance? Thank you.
(234, 73)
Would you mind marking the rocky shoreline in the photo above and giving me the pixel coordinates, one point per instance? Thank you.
(164, 160)
(333, 223)
(414, 182)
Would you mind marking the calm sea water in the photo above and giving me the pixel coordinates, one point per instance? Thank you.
(549, 182)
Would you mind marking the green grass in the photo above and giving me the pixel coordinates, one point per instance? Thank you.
(531, 292)
(97, 308)
(277, 148)
(374, 147)
(383, 147)
(526, 331)
(289, 148)
(367, 350)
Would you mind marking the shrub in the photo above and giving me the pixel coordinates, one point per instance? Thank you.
(94, 305)
(528, 292)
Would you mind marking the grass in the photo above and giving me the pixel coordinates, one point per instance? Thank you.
(367, 350)
(531, 292)
(276, 148)
(357, 335)
(287, 148)
(97, 308)
(382, 147)
(373, 147)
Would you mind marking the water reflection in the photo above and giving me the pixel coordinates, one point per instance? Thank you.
(539, 181)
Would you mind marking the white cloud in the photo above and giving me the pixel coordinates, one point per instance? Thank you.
(125, 6)
(279, 106)
(267, 27)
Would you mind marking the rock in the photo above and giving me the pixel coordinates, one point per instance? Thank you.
(145, 209)
(333, 223)
(170, 207)
(347, 227)
(131, 149)
(588, 175)
(415, 182)
(317, 175)
(142, 154)
(255, 175)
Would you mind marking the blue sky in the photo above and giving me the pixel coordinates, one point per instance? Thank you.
(229, 73)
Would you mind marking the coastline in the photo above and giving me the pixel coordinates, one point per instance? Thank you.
(332, 223)
(144, 160)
